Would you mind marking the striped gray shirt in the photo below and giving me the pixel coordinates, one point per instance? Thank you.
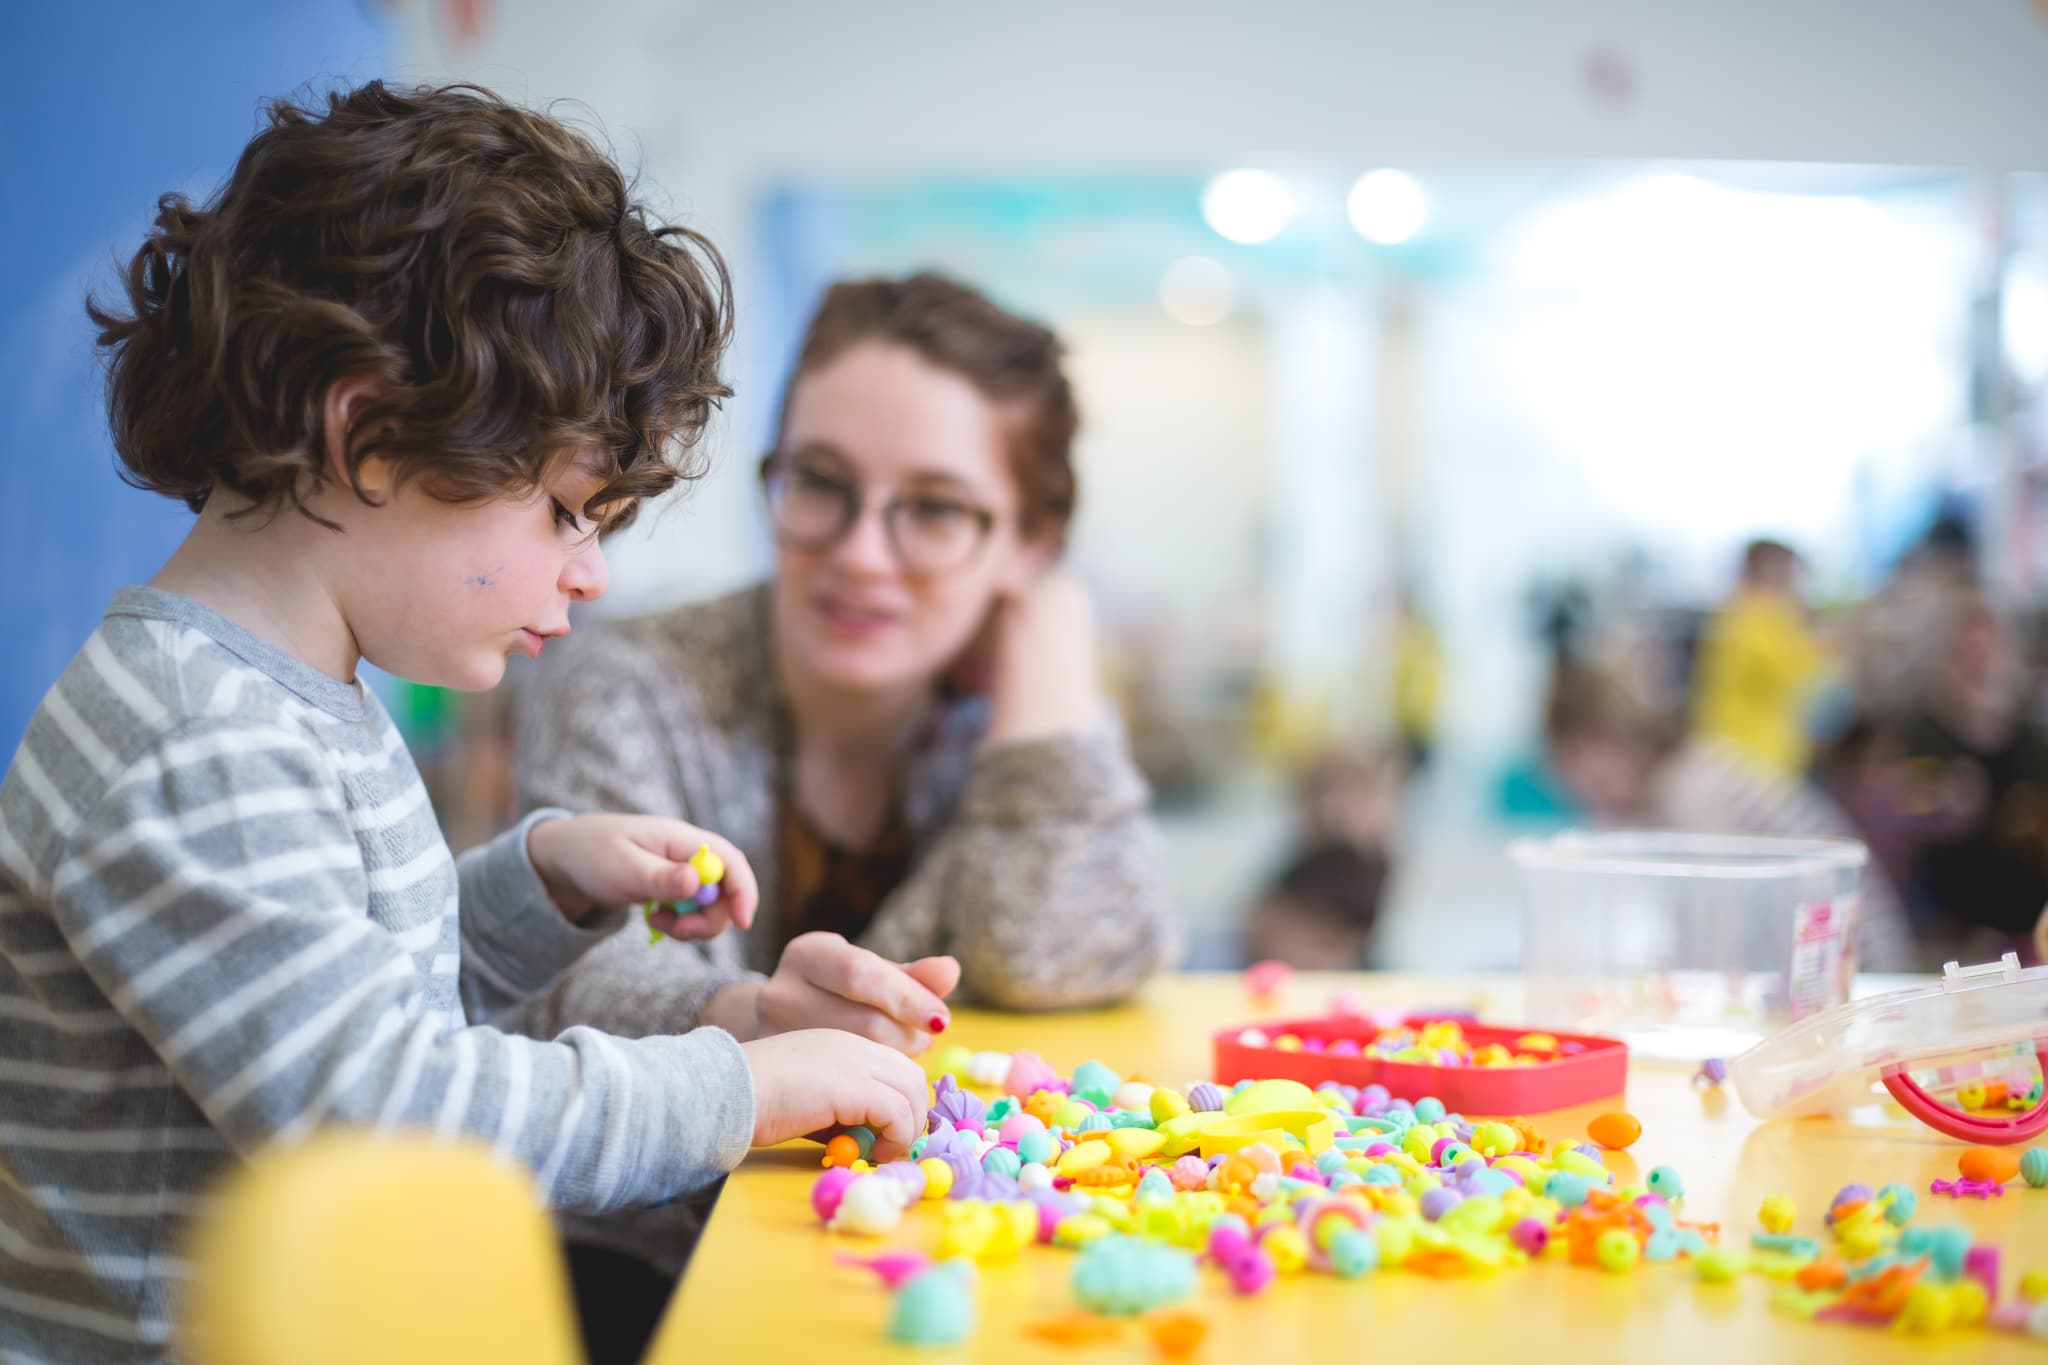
(227, 915)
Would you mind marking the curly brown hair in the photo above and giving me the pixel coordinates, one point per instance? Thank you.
(1016, 363)
(485, 266)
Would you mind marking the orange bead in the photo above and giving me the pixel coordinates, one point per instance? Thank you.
(1822, 1274)
(1178, 1335)
(1615, 1130)
(841, 1150)
(1998, 1164)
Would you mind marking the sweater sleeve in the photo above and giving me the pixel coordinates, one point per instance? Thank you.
(242, 953)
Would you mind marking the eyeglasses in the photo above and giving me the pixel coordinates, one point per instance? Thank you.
(814, 507)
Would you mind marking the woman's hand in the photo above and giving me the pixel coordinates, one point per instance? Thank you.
(1044, 676)
(823, 981)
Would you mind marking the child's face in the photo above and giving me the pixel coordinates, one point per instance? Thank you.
(882, 418)
(442, 593)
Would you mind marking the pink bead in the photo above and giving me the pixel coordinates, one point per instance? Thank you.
(1017, 1125)
(1048, 1222)
(1531, 1235)
(1251, 1271)
(1264, 978)
(829, 1189)
(1029, 1074)
(1380, 1149)
(1189, 1173)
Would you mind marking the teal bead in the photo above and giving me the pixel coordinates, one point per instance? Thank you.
(1038, 1146)
(1429, 1109)
(2034, 1167)
(1666, 1182)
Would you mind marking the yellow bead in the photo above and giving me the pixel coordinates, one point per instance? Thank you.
(1287, 1042)
(1288, 1248)
(938, 1178)
(1777, 1214)
(1168, 1104)
(1077, 1228)
(1928, 1308)
(709, 866)
(2034, 1284)
(1970, 1300)
(1085, 1156)
(1134, 1142)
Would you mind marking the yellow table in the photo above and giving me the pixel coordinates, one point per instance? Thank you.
(764, 1285)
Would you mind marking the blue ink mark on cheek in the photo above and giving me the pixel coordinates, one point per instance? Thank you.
(484, 580)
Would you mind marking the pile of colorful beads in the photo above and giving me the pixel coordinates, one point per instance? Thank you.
(1268, 1179)
(1440, 1042)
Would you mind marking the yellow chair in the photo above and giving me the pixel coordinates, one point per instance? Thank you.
(401, 1250)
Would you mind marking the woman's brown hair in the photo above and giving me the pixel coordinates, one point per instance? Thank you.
(485, 266)
(1014, 362)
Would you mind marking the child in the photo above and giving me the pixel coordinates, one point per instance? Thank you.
(417, 352)
(1320, 912)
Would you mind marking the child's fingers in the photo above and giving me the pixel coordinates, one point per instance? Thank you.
(692, 927)
(650, 876)
(739, 893)
(899, 1104)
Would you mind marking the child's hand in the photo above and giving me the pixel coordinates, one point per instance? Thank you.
(820, 1078)
(590, 860)
(823, 981)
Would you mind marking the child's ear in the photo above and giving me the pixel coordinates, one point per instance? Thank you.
(342, 403)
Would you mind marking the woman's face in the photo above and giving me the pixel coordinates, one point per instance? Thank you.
(882, 421)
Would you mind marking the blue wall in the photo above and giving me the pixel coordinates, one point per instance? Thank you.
(102, 108)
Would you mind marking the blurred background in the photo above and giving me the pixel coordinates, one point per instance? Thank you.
(1443, 367)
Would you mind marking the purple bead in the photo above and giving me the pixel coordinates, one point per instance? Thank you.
(1531, 1235)
(1849, 1193)
(1440, 1201)
(961, 1108)
(1204, 1097)
(1375, 1094)
(1713, 1071)
(707, 895)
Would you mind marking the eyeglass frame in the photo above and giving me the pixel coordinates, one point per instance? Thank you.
(775, 463)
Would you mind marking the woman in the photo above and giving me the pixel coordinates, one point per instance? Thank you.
(834, 725)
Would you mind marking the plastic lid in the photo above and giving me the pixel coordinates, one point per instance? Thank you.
(1830, 1061)
(1670, 853)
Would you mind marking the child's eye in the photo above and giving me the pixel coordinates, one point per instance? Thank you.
(563, 516)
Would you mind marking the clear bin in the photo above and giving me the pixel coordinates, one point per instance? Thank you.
(1686, 945)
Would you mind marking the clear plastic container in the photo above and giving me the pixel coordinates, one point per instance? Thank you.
(1927, 1045)
(1686, 945)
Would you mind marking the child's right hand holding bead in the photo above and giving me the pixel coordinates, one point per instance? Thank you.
(814, 1079)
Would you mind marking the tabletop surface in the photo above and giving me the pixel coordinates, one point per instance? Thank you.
(764, 1284)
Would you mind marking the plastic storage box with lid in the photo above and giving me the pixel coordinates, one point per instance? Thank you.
(1975, 1024)
(1686, 945)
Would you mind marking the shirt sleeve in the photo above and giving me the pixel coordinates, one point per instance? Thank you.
(242, 952)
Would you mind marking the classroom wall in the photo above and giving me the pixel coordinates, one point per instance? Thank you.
(103, 107)
(721, 101)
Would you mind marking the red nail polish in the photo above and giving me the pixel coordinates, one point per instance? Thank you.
(938, 1023)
